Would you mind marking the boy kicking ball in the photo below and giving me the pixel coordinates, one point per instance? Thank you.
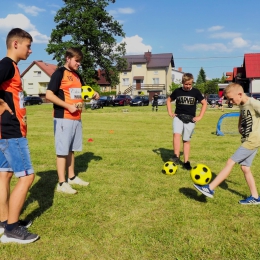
(249, 128)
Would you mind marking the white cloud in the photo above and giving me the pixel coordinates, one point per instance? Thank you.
(200, 30)
(118, 11)
(208, 47)
(32, 10)
(215, 28)
(239, 42)
(135, 45)
(21, 21)
(255, 47)
(225, 35)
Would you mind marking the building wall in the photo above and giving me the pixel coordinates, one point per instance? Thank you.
(254, 86)
(35, 81)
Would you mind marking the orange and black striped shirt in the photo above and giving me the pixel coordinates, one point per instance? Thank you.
(66, 85)
(11, 91)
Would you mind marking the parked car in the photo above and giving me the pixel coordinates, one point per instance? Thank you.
(122, 100)
(256, 96)
(212, 98)
(31, 100)
(140, 101)
(162, 100)
(105, 101)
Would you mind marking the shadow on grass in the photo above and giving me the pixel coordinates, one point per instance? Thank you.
(165, 154)
(43, 190)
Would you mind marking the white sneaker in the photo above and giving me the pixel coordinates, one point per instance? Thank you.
(78, 181)
(66, 188)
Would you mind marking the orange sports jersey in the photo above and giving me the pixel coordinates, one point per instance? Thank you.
(11, 91)
(66, 85)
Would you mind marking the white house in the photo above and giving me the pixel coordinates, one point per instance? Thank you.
(36, 77)
(177, 75)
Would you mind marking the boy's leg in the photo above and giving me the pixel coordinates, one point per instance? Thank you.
(186, 150)
(177, 144)
(61, 167)
(5, 178)
(71, 165)
(250, 181)
(18, 196)
(223, 174)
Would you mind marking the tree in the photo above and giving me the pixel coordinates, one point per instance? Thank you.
(174, 86)
(87, 25)
(211, 87)
(201, 76)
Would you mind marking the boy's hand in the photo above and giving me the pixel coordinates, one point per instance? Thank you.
(171, 114)
(4, 107)
(196, 119)
(72, 109)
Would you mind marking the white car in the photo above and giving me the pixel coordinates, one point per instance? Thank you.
(162, 100)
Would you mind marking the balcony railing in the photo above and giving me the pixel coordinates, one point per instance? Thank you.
(150, 86)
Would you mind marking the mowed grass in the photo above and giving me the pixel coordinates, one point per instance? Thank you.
(130, 210)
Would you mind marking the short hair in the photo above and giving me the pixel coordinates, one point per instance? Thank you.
(19, 34)
(186, 77)
(74, 52)
(233, 86)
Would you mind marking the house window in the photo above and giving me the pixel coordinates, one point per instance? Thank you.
(126, 82)
(155, 80)
(139, 66)
(125, 73)
(30, 83)
(155, 72)
(37, 73)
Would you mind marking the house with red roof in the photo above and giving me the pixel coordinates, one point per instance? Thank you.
(248, 75)
(36, 78)
(146, 74)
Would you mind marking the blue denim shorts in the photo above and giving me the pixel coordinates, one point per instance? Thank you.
(15, 157)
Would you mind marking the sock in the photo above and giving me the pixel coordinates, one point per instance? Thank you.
(10, 227)
(4, 222)
(60, 183)
(73, 178)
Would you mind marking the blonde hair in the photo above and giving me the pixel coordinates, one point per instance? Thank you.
(233, 86)
(186, 77)
(18, 34)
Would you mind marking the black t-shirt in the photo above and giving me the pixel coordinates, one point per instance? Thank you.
(186, 101)
(155, 98)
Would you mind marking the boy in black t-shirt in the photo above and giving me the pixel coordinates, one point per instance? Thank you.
(155, 102)
(184, 117)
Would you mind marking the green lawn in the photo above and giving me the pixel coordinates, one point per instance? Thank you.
(131, 211)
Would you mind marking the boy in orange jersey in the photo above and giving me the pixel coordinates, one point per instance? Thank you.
(14, 151)
(64, 91)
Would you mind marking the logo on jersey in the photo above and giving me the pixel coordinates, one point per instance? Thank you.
(185, 100)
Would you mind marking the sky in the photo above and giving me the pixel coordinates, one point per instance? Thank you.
(209, 34)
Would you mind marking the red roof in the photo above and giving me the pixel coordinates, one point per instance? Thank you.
(45, 67)
(238, 71)
(252, 65)
(229, 76)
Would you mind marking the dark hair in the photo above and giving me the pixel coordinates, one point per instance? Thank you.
(74, 52)
(18, 33)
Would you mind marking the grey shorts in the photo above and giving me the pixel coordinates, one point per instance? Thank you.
(68, 136)
(244, 156)
(186, 130)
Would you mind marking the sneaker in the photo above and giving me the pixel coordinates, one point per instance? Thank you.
(175, 159)
(23, 223)
(204, 189)
(78, 181)
(187, 166)
(250, 201)
(66, 188)
(19, 235)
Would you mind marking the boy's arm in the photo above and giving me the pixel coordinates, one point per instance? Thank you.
(57, 101)
(239, 124)
(4, 107)
(202, 111)
(169, 107)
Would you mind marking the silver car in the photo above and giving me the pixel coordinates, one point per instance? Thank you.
(162, 100)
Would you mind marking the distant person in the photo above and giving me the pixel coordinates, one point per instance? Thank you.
(220, 103)
(184, 117)
(14, 152)
(249, 128)
(64, 91)
(155, 102)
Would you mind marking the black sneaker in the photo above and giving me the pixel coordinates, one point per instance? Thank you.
(18, 235)
(175, 159)
(187, 166)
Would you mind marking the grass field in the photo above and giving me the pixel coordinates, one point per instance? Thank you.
(131, 211)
